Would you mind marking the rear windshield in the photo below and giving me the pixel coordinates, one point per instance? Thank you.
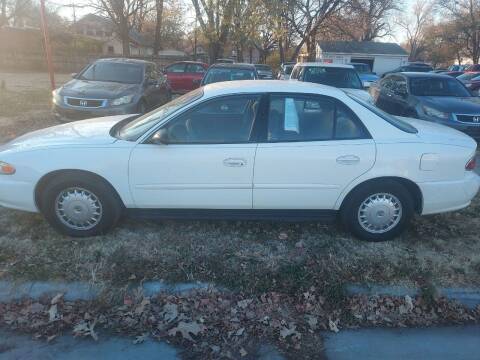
(336, 77)
(219, 74)
(113, 72)
(438, 87)
(398, 123)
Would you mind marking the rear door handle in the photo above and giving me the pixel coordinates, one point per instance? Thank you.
(234, 162)
(348, 160)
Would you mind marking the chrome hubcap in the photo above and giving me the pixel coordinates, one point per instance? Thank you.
(380, 213)
(78, 208)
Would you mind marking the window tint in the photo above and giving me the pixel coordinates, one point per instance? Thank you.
(176, 68)
(113, 72)
(333, 76)
(227, 74)
(224, 120)
(195, 68)
(300, 118)
(438, 87)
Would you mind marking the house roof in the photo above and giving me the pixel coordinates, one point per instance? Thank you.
(361, 47)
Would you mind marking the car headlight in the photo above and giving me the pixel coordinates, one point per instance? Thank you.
(127, 99)
(6, 169)
(435, 113)
(56, 97)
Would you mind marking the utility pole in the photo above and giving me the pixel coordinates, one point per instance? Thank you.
(195, 40)
(46, 40)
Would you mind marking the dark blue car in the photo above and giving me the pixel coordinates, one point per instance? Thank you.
(428, 96)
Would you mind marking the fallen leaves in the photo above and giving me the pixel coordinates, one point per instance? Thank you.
(85, 329)
(186, 329)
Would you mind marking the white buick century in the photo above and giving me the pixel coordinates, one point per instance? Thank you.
(243, 150)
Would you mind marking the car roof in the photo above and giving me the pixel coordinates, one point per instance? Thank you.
(125, 61)
(320, 64)
(272, 86)
(233, 66)
(187, 62)
(413, 74)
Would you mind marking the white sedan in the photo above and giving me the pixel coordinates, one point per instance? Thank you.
(244, 150)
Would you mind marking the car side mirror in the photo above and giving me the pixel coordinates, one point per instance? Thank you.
(160, 137)
(74, 75)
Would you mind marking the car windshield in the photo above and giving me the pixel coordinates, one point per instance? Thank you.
(133, 130)
(263, 67)
(468, 76)
(438, 87)
(113, 72)
(288, 69)
(228, 74)
(332, 76)
(362, 68)
(398, 123)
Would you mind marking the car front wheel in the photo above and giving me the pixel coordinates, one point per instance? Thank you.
(378, 211)
(80, 207)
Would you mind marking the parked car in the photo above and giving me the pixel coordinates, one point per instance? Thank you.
(111, 87)
(244, 150)
(337, 75)
(224, 61)
(473, 68)
(410, 67)
(471, 80)
(184, 76)
(229, 72)
(432, 97)
(458, 67)
(365, 73)
(264, 71)
(285, 71)
(453, 73)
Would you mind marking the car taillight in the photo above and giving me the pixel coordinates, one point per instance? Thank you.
(471, 164)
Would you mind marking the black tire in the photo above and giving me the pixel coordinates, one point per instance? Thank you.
(142, 107)
(111, 205)
(349, 213)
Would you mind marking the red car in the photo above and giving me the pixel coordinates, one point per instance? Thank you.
(184, 76)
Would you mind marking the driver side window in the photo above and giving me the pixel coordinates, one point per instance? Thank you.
(224, 120)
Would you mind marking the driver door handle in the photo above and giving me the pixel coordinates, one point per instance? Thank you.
(234, 162)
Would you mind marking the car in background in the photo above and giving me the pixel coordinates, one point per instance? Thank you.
(453, 73)
(439, 71)
(229, 72)
(473, 68)
(366, 74)
(471, 80)
(264, 71)
(433, 97)
(337, 75)
(410, 67)
(224, 61)
(285, 71)
(111, 87)
(243, 150)
(458, 67)
(185, 76)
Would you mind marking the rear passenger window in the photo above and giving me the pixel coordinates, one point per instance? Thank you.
(297, 118)
(195, 68)
(176, 68)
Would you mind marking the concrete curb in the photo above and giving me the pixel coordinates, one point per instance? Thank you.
(11, 291)
(469, 297)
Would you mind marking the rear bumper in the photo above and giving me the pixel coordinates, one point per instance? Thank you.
(17, 194)
(443, 196)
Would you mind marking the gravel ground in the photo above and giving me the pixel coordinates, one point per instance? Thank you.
(250, 256)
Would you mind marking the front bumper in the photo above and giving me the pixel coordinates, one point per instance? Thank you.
(455, 195)
(66, 113)
(16, 194)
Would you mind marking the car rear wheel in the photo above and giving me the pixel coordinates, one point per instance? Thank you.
(378, 211)
(80, 207)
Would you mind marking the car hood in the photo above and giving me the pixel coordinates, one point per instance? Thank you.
(361, 94)
(450, 104)
(86, 132)
(434, 133)
(97, 89)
